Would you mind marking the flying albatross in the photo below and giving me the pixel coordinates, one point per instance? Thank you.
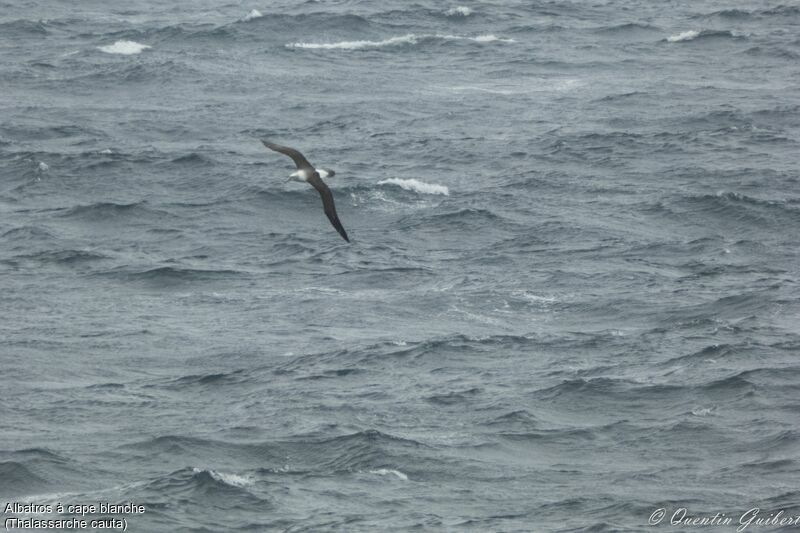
(308, 174)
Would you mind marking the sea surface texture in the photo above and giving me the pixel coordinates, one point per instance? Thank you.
(571, 296)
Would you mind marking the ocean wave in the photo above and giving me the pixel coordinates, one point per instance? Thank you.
(369, 449)
(174, 444)
(193, 159)
(389, 471)
(466, 217)
(488, 38)
(765, 467)
(23, 26)
(124, 48)
(455, 397)
(27, 234)
(520, 419)
(31, 132)
(458, 11)
(205, 451)
(389, 200)
(368, 435)
(772, 52)
(560, 435)
(138, 72)
(255, 26)
(110, 385)
(27, 454)
(132, 40)
(736, 385)
(416, 186)
(254, 14)
(64, 257)
(408, 39)
(74, 161)
(355, 45)
(362, 451)
(18, 479)
(202, 484)
(381, 352)
(743, 208)
(726, 14)
(781, 11)
(289, 24)
(171, 274)
(234, 480)
(708, 355)
(331, 374)
(212, 379)
(685, 36)
(609, 389)
(692, 35)
(104, 210)
(630, 27)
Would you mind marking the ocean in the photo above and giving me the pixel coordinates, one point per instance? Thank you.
(570, 302)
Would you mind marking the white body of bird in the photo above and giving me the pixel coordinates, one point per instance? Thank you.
(302, 175)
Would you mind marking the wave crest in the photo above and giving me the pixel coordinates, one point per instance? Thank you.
(458, 11)
(705, 34)
(408, 39)
(685, 36)
(387, 471)
(234, 480)
(417, 186)
(254, 14)
(124, 48)
(355, 45)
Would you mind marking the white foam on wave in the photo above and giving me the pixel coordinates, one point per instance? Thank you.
(410, 38)
(528, 85)
(490, 38)
(124, 47)
(355, 45)
(254, 14)
(685, 36)
(43, 167)
(234, 480)
(460, 11)
(417, 186)
(534, 297)
(387, 471)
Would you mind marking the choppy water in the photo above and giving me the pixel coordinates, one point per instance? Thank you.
(571, 297)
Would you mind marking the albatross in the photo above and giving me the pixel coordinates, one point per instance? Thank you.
(306, 173)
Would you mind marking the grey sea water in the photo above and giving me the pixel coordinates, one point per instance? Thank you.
(571, 298)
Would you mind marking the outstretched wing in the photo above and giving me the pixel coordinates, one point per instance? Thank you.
(327, 203)
(297, 157)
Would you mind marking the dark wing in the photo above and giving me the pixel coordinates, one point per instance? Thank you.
(296, 156)
(327, 203)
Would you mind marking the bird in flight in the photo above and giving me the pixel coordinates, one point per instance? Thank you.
(307, 173)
